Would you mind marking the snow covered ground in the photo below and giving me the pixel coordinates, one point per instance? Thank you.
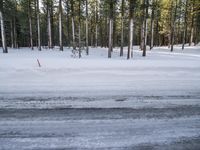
(100, 103)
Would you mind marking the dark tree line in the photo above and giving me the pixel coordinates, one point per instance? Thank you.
(105, 23)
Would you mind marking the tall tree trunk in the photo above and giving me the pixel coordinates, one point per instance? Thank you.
(173, 23)
(178, 31)
(79, 40)
(96, 35)
(79, 30)
(157, 30)
(60, 26)
(110, 49)
(14, 26)
(142, 35)
(130, 45)
(196, 35)
(96, 23)
(15, 33)
(38, 25)
(91, 35)
(52, 24)
(122, 29)
(35, 23)
(142, 27)
(110, 37)
(132, 36)
(49, 28)
(11, 33)
(30, 25)
(192, 25)
(73, 24)
(172, 27)
(3, 34)
(145, 11)
(157, 12)
(87, 47)
(101, 31)
(107, 32)
(68, 23)
(169, 40)
(152, 26)
(185, 26)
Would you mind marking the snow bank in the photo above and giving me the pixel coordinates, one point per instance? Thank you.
(160, 73)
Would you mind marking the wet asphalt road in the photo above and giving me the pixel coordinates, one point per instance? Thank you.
(67, 127)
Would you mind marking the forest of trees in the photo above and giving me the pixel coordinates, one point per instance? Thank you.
(105, 23)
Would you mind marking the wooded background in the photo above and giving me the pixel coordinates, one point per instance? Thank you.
(105, 23)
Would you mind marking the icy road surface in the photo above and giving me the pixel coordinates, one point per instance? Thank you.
(96, 103)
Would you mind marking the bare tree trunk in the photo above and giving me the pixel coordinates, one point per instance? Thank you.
(169, 40)
(192, 27)
(79, 40)
(14, 27)
(49, 29)
(73, 33)
(142, 27)
(30, 25)
(96, 23)
(68, 23)
(87, 48)
(73, 24)
(96, 35)
(152, 26)
(38, 25)
(52, 24)
(178, 31)
(35, 23)
(191, 33)
(3, 35)
(157, 31)
(122, 29)
(145, 27)
(185, 26)
(15, 34)
(110, 30)
(110, 37)
(196, 35)
(106, 40)
(172, 29)
(101, 31)
(79, 29)
(142, 35)
(173, 23)
(192, 24)
(91, 35)
(60, 26)
(132, 38)
(11, 33)
(130, 45)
